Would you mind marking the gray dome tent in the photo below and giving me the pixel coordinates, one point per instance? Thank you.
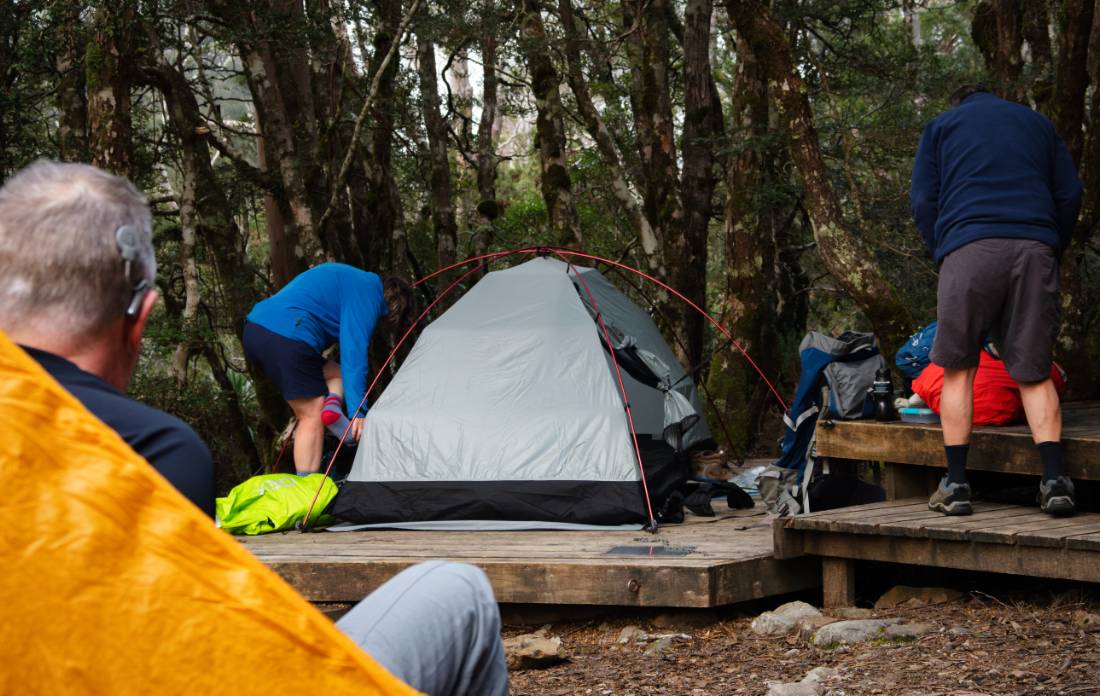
(508, 408)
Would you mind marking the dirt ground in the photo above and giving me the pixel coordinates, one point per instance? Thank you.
(1011, 643)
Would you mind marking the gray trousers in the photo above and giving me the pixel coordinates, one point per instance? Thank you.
(436, 627)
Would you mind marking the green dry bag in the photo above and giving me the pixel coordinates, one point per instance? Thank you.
(274, 502)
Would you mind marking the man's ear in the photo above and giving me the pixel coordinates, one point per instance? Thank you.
(136, 328)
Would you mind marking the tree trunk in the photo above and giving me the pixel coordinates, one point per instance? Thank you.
(1071, 78)
(442, 198)
(206, 217)
(754, 291)
(108, 64)
(487, 207)
(1077, 349)
(72, 106)
(702, 128)
(997, 30)
(1036, 31)
(609, 150)
(273, 46)
(549, 129)
(379, 230)
(848, 260)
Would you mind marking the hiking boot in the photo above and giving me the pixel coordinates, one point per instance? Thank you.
(1056, 497)
(951, 498)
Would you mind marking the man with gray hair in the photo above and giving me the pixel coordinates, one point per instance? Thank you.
(76, 289)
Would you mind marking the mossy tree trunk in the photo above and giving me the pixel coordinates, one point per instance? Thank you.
(851, 262)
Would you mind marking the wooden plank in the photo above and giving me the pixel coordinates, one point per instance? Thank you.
(1006, 449)
(1056, 536)
(730, 560)
(956, 528)
(910, 481)
(1066, 563)
(1007, 534)
(838, 582)
(1084, 542)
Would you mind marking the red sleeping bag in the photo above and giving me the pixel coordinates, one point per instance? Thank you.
(996, 394)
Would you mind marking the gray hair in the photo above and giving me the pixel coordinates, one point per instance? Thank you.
(61, 267)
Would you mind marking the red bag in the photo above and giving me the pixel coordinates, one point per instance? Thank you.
(996, 394)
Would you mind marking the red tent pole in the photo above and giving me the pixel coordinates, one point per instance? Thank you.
(622, 390)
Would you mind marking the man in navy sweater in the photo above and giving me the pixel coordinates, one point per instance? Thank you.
(995, 195)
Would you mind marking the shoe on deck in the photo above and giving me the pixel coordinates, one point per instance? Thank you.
(1056, 497)
(951, 498)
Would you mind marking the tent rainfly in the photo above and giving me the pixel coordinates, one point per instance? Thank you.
(508, 412)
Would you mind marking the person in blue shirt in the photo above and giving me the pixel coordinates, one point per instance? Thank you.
(285, 335)
(995, 195)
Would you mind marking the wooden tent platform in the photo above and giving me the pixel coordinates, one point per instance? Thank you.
(910, 449)
(729, 559)
(997, 538)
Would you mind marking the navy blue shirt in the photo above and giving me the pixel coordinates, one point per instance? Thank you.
(165, 441)
(993, 168)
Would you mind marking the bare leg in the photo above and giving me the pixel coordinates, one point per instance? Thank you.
(957, 405)
(309, 434)
(1043, 409)
(334, 379)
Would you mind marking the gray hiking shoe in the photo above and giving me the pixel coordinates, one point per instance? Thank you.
(951, 498)
(1056, 497)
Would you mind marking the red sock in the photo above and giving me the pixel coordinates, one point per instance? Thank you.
(332, 410)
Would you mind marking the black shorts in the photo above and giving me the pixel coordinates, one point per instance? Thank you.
(297, 370)
(1004, 289)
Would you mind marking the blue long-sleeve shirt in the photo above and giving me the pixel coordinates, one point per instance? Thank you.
(328, 303)
(993, 168)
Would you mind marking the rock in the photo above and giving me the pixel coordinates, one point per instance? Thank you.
(820, 674)
(854, 631)
(808, 625)
(783, 620)
(659, 647)
(809, 686)
(530, 651)
(1084, 618)
(908, 631)
(853, 613)
(794, 689)
(905, 596)
(631, 634)
(698, 618)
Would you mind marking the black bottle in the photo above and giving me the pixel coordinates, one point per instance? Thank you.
(882, 393)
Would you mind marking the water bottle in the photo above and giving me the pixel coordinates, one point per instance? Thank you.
(882, 393)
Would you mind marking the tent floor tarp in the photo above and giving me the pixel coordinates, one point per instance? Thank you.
(704, 562)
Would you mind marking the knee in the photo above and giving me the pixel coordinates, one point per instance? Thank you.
(467, 583)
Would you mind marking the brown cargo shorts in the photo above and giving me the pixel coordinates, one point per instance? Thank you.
(1005, 289)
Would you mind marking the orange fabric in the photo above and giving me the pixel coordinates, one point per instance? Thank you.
(996, 394)
(113, 583)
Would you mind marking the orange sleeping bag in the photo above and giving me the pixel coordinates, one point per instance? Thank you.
(114, 583)
(996, 394)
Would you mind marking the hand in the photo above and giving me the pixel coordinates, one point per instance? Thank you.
(357, 427)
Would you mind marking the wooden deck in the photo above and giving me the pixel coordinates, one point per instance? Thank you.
(729, 560)
(1006, 449)
(997, 538)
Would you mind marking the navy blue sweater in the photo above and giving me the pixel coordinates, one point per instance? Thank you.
(993, 168)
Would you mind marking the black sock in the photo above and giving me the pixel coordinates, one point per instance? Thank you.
(956, 462)
(1051, 455)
